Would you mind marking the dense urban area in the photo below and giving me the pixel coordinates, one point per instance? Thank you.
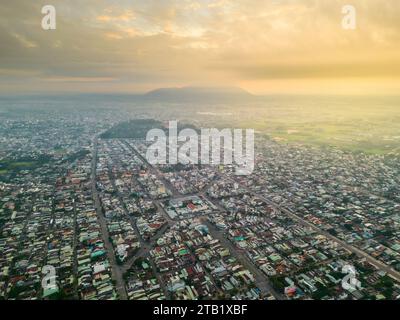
(78, 194)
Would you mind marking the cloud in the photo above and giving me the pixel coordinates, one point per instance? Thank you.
(188, 42)
(79, 79)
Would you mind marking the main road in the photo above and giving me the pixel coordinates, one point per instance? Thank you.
(260, 279)
(116, 271)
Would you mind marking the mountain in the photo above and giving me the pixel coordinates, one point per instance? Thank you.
(198, 94)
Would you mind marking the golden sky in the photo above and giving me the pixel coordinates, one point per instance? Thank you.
(281, 46)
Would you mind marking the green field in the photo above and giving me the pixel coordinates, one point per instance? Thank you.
(21, 164)
(14, 166)
(359, 124)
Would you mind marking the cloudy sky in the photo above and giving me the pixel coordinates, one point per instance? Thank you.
(263, 46)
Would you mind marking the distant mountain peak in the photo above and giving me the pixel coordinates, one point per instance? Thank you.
(199, 93)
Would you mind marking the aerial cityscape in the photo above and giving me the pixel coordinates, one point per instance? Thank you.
(93, 208)
(76, 197)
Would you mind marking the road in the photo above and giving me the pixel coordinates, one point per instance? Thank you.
(144, 249)
(116, 272)
(378, 264)
(143, 252)
(260, 279)
(156, 172)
